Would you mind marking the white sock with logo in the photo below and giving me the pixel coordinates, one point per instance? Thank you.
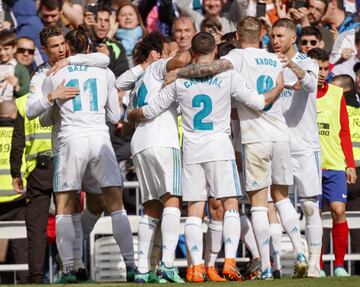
(170, 229)
(231, 233)
(78, 243)
(261, 226)
(146, 233)
(290, 222)
(194, 239)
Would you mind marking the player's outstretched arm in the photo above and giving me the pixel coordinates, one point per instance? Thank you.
(203, 70)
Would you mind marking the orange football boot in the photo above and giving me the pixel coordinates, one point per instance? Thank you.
(230, 271)
(213, 275)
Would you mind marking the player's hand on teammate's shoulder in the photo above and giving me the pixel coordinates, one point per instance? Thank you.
(283, 59)
(170, 77)
(351, 175)
(58, 65)
(63, 93)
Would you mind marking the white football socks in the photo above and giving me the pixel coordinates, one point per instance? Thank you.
(194, 239)
(123, 235)
(65, 238)
(275, 245)
(214, 240)
(261, 226)
(78, 243)
(290, 222)
(147, 228)
(231, 233)
(170, 229)
(247, 236)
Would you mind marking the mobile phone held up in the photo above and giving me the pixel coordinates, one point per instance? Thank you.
(92, 7)
(299, 4)
(260, 9)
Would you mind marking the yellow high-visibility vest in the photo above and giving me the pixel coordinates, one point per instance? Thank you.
(328, 118)
(37, 137)
(354, 124)
(7, 192)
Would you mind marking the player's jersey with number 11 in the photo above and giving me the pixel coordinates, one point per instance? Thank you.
(85, 113)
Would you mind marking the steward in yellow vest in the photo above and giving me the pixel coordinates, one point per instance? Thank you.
(12, 204)
(30, 138)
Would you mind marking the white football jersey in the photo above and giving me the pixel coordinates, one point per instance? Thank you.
(300, 106)
(161, 131)
(260, 70)
(85, 113)
(205, 105)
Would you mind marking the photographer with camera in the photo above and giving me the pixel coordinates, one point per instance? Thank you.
(97, 18)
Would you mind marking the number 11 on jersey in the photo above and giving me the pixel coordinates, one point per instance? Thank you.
(89, 85)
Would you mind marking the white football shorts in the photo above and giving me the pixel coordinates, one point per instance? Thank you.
(267, 163)
(159, 172)
(217, 179)
(92, 154)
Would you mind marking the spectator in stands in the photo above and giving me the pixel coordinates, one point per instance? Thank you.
(347, 66)
(12, 204)
(25, 50)
(50, 13)
(130, 27)
(214, 8)
(29, 25)
(337, 19)
(101, 43)
(312, 17)
(72, 13)
(213, 26)
(17, 76)
(183, 30)
(337, 159)
(310, 38)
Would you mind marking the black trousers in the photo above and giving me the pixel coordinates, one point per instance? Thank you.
(39, 190)
(17, 251)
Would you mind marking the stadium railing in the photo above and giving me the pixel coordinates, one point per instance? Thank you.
(13, 230)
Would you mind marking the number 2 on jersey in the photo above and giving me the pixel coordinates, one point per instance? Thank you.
(204, 102)
(89, 84)
(263, 85)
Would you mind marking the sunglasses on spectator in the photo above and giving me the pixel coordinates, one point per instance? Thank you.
(312, 42)
(24, 50)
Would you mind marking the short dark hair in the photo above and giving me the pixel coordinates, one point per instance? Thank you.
(285, 23)
(7, 38)
(224, 48)
(103, 8)
(229, 37)
(318, 54)
(78, 40)
(356, 67)
(152, 41)
(203, 43)
(51, 4)
(311, 31)
(210, 22)
(345, 81)
(48, 32)
(326, 3)
(249, 29)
